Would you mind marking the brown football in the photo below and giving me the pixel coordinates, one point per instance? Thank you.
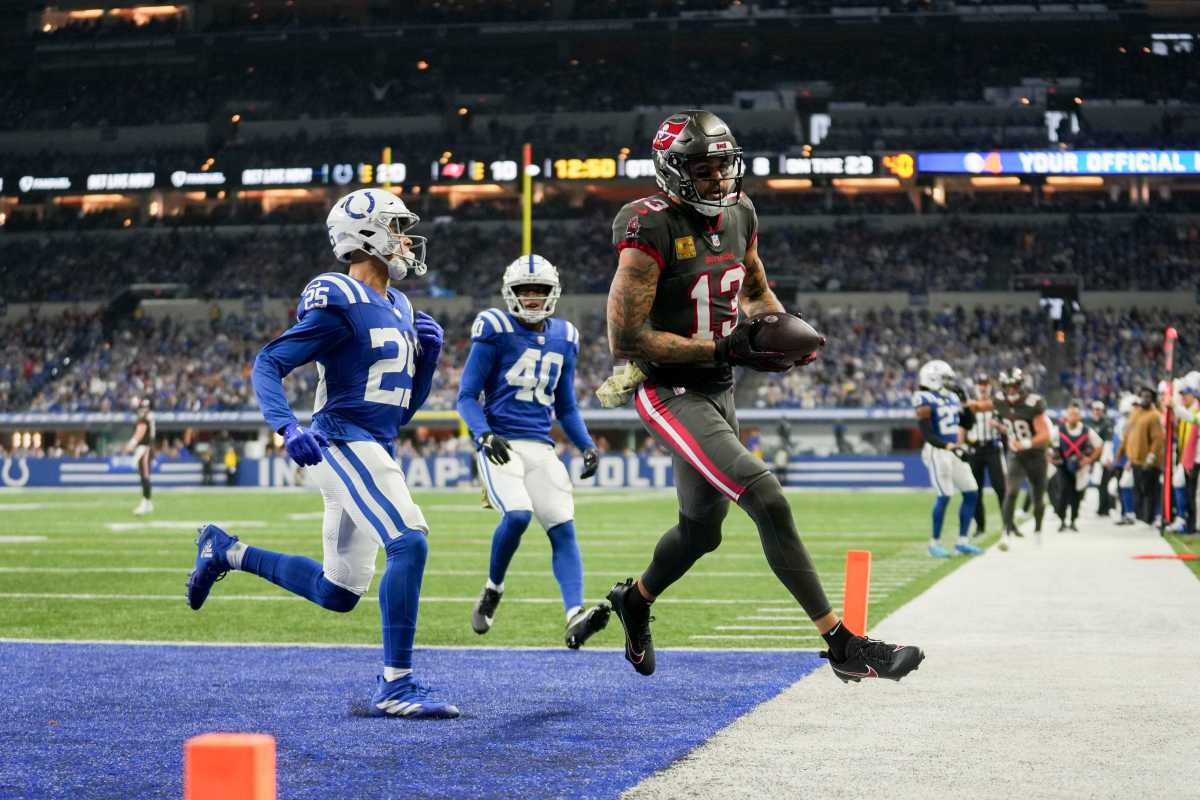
(787, 334)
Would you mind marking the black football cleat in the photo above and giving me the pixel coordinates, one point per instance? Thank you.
(634, 612)
(871, 658)
(485, 610)
(585, 623)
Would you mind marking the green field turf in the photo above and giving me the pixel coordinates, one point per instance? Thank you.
(91, 570)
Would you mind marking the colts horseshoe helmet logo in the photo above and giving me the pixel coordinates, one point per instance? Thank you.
(350, 212)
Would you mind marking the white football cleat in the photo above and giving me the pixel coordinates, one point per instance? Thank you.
(144, 507)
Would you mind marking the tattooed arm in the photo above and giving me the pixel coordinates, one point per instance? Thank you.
(629, 301)
(756, 296)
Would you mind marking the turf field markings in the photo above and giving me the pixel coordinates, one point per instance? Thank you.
(364, 646)
(746, 636)
(435, 573)
(21, 539)
(178, 598)
(176, 524)
(762, 627)
(306, 516)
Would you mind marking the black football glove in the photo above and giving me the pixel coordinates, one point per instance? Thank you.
(962, 451)
(737, 350)
(495, 447)
(591, 460)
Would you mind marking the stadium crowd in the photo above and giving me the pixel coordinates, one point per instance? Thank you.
(954, 254)
(871, 359)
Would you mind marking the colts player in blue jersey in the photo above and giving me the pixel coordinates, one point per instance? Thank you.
(939, 415)
(523, 362)
(375, 360)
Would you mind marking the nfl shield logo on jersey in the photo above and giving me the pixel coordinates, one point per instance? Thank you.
(715, 238)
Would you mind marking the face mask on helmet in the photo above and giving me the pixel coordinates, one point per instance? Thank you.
(377, 223)
(697, 159)
(523, 274)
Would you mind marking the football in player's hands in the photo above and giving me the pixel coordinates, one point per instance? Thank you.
(787, 334)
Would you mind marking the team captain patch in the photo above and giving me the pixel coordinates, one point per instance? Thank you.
(685, 247)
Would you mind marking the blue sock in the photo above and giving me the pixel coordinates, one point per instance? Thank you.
(939, 515)
(966, 512)
(567, 564)
(1127, 500)
(299, 575)
(1179, 502)
(399, 596)
(505, 542)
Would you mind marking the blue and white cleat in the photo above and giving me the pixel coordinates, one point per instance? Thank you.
(937, 551)
(211, 565)
(967, 549)
(404, 697)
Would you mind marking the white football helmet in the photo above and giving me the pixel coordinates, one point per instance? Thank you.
(374, 221)
(1190, 383)
(525, 271)
(936, 375)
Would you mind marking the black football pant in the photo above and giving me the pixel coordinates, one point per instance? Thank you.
(989, 460)
(1106, 500)
(1028, 465)
(1146, 488)
(1190, 481)
(712, 469)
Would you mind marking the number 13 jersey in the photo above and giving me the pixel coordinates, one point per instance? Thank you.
(701, 270)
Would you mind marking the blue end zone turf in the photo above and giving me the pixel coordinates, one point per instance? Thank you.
(91, 721)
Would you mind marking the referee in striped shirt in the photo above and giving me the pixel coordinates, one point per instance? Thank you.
(987, 451)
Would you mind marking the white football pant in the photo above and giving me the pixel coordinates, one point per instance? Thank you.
(533, 480)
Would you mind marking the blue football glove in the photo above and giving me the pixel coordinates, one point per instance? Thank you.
(591, 460)
(303, 445)
(429, 335)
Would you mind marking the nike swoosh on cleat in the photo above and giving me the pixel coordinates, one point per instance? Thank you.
(870, 673)
(636, 658)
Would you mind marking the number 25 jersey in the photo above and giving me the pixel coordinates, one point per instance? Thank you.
(701, 270)
(365, 348)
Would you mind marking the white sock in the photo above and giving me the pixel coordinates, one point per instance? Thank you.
(233, 556)
(571, 612)
(394, 673)
(935, 542)
(495, 587)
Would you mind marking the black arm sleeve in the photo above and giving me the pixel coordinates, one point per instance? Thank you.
(967, 418)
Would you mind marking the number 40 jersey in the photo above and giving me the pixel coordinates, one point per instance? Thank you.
(527, 378)
(366, 349)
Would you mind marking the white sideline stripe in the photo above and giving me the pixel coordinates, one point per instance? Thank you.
(307, 516)
(181, 524)
(273, 598)
(24, 506)
(846, 466)
(862, 477)
(360, 646)
(684, 449)
(739, 636)
(19, 539)
(103, 468)
(437, 573)
(762, 627)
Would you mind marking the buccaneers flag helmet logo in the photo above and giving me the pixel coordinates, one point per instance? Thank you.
(668, 133)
